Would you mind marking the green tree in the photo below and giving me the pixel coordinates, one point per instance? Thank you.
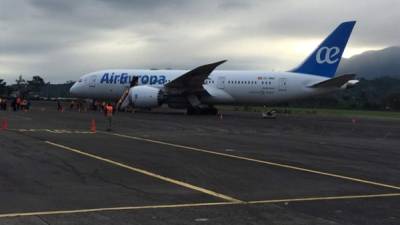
(36, 83)
(3, 87)
(21, 83)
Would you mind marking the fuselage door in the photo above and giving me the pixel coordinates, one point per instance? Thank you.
(221, 82)
(282, 84)
(92, 81)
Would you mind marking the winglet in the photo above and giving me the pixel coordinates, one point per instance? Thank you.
(208, 68)
(194, 77)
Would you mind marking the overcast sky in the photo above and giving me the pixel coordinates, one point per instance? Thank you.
(63, 39)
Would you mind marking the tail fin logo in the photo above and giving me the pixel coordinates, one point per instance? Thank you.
(328, 55)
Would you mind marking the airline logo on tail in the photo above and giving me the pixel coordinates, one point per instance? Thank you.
(326, 58)
(328, 55)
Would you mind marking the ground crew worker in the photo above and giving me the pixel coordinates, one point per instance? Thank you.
(24, 105)
(18, 103)
(103, 107)
(14, 104)
(59, 106)
(28, 104)
(71, 105)
(109, 113)
(3, 104)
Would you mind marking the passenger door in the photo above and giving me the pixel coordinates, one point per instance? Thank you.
(282, 84)
(92, 81)
(221, 82)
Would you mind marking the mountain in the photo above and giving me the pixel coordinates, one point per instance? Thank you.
(373, 64)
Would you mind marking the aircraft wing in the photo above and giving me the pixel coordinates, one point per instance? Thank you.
(193, 80)
(337, 82)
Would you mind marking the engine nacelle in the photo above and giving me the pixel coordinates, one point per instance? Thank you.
(145, 97)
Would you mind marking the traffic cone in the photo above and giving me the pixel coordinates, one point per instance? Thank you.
(4, 124)
(93, 126)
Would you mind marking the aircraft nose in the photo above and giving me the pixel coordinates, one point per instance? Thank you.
(73, 90)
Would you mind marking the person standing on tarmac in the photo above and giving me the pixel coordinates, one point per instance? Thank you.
(108, 111)
(18, 103)
(3, 104)
(24, 105)
(72, 105)
(59, 106)
(14, 104)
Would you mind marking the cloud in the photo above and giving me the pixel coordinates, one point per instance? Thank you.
(62, 40)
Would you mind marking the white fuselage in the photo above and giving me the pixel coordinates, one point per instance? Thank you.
(180, 88)
(223, 87)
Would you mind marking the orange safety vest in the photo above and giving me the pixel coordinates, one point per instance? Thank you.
(109, 110)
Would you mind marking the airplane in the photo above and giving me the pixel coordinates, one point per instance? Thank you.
(200, 89)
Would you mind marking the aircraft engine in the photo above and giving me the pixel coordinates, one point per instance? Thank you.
(145, 97)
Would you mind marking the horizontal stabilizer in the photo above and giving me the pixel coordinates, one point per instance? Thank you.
(337, 82)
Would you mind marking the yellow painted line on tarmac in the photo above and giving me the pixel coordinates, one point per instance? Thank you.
(125, 208)
(364, 181)
(58, 212)
(325, 198)
(170, 180)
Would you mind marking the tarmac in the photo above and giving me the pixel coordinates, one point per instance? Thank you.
(165, 167)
